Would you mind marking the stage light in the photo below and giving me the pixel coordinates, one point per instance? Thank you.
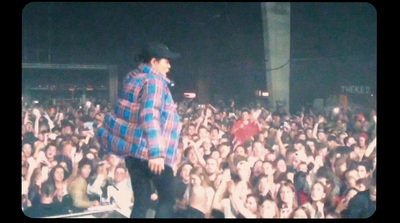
(264, 94)
(260, 93)
(336, 110)
(189, 95)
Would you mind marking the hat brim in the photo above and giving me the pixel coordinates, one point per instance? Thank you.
(172, 55)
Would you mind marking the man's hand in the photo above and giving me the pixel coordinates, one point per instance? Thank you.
(321, 119)
(156, 165)
(36, 113)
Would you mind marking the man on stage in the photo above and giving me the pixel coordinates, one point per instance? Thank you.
(145, 129)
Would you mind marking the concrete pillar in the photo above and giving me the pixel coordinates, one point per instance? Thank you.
(26, 90)
(113, 84)
(203, 84)
(276, 28)
(83, 99)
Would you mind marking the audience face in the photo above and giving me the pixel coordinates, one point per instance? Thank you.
(203, 133)
(317, 192)
(243, 170)
(362, 171)
(211, 166)
(27, 149)
(239, 150)
(263, 185)
(119, 175)
(281, 166)
(195, 180)
(215, 155)
(245, 116)
(257, 168)
(372, 192)
(192, 157)
(29, 127)
(51, 152)
(113, 160)
(85, 171)
(251, 204)
(59, 174)
(207, 147)
(271, 157)
(268, 209)
(67, 130)
(185, 173)
(287, 194)
(191, 130)
(351, 141)
(361, 141)
(268, 169)
(311, 144)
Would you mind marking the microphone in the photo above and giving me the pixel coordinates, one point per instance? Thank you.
(171, 84)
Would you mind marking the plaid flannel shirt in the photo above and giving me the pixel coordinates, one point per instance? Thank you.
(145, 123)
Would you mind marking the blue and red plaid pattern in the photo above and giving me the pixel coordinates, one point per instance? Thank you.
(145, 123)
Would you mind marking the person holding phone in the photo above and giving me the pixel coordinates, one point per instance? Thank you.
(144, 128)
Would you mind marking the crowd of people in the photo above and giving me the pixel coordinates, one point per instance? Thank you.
(247, 162)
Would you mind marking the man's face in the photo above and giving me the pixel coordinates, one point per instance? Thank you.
(240, 151)
(287, 194)
(251, 204)
(27, 149)
(362, 171)
(211, 166)
(245, 116)
(372, 192)
(298, 146)
(323, 152)
(85, 171)
(351, 141)
(281, 166)
(29, 127)
(113, 160)
(192, 130)
(317, 192)
(59, 174)
(203, 133)
(119, 175)
(268, 169)
(162, 66)
(215, 155)
(51, 152)
(361, 141)
(192, 157)
(321, 136)
(195, 180)
(185, 173)
(311, 145)
(214, 134)
(67, 130)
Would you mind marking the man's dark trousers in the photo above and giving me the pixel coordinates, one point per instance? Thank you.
(140, 178)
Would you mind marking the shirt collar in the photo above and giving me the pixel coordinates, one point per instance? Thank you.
(146, 68)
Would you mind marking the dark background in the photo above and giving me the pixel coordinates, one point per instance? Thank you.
(332, 44)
